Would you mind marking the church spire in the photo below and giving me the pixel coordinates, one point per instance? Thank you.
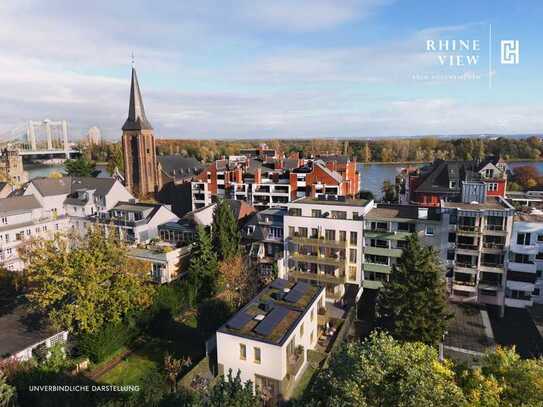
(136, 113)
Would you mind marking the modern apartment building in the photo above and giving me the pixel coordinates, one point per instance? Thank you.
(324, 242)
(164, 262)
(524, 285)
(477, 249)
(386, 229)
(268, 339)
(275, 181)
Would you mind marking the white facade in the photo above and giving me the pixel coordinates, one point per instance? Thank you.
(272, 366)
(324, 242)
(524, 284)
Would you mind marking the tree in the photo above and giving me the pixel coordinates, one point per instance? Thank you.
(79, 167)
(366, 153)
(82, 282)
(115, 158)
(389, 192)
(384, 372)
(526, 176)
(211, 314)
(173, 368)
(226, 236)
(202, 272)
(8, 393)
(240, 281)
(233, 392)
(412, 305)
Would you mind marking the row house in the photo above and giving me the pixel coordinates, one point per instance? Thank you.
(324, 242)
(477, 250)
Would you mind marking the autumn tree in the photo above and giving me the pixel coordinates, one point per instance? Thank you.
(239, 280)
(225, 231)
(366, 153)
(527, 176)
(412, 305)
(384, 372)
(173, 368)
(8, 393)
(82, 282)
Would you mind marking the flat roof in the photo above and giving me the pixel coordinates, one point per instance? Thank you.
(410, 212)
(346, 202)
(281, 306)
(489, 204)
(20, 330)
(528, 217)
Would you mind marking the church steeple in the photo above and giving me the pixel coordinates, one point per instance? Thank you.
(136, 119)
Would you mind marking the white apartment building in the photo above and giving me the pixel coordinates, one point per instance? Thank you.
(268, 339)
(324, 242)
(134, 222)
(524, 284)
(477, 249)
(21, 218)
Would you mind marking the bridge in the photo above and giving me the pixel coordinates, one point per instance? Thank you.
(45, 139)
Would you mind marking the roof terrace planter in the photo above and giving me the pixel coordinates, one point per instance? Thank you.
(322, 277)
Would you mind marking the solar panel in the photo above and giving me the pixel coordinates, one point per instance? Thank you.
(301, 286)
(266, 326)
(239, 320)
(294, 295)
(279, 283)
(266, 306)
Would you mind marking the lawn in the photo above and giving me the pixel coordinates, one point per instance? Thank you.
(303, 382)
(180, 339)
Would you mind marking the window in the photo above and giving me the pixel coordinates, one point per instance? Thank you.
(492, 186)
(339, 215)
(354, 238)
(342, 236)
(291, 231)
(450, 254)
(302, 232)
(315, 233)
(257, 355)
(312, 315)
(242, 351)
(452, 237)
(523, 239)
(536, 292)
(4, 220)
(295, 211)
(330, 234)
(316, 213)
(302, 330)
(540, 238)
(352, 255)
(429, 230)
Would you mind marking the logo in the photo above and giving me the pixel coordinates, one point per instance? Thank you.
(510, 52)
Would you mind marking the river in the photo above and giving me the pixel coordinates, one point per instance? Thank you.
(372, 176)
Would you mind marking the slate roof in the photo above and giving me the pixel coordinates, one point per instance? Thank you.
(18, 204)
(178, 166)
(68, 185)
(136, 119)
(340, 159)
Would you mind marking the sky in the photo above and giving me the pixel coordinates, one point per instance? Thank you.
(271, 68)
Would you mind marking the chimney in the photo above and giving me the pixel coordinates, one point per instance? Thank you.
(258, 176)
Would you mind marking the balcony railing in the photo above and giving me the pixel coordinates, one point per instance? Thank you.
(491, 283)
(329, 261)
(466, 228)
(295, 362)
(322, 277)
(467, 246)
(313, 241)
(468, 283)
(465, 265)
(497, 228)
(492, 264)
(492, 245)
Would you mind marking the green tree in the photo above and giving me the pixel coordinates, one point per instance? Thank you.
(232, 392)
(202, 278)
(389, 192)
(115, 158)
(226, 236)
(366, 153)
(82, 282)
(412, 305)
(384, 372)
(79, 167)
(8, 394)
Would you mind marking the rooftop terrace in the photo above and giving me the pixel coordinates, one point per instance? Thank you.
(341, 201)
(273, 314)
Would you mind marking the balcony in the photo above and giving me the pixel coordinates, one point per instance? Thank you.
(396, 235)
(489, 284)
(295, 361)
(377, 268)
(494, 228)
(493, 246)
(524, 267)
(320, 277)
(327, 261)
(319, 242)
(492, 267)
(467, 283)
(465, 267)
(467, 229)
(379, 251)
